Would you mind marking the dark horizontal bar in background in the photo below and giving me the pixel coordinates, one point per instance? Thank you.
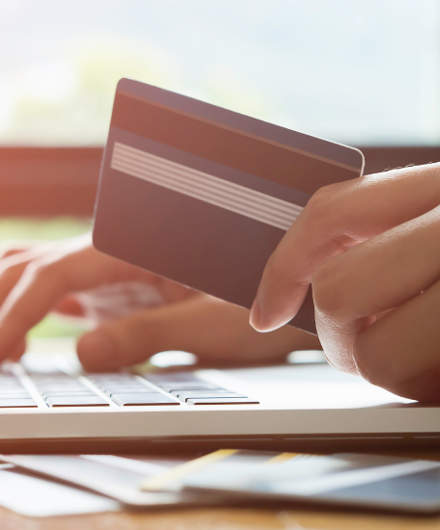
(40, 181)
(384, 158)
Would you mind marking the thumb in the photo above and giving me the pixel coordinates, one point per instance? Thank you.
(337, 217)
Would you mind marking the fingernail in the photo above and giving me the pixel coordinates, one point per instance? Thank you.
(265, 313)
(255, 316)
(97, 348)
(259, 314)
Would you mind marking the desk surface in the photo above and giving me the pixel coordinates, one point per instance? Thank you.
(229, 519)
(215, 519)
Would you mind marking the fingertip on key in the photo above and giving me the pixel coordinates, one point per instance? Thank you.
(18, 351)
(96, 350)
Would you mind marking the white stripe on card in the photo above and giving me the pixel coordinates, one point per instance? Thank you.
(205, 187)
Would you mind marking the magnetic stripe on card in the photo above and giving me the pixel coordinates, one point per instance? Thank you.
(205, 187)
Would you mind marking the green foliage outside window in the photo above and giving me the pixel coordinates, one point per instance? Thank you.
(19, 229)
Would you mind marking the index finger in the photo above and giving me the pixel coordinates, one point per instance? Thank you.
(42, 284)
(337, 217)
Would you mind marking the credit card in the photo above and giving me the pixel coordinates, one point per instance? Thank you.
(357, 480)
(213, 468)
(203, 195)
(103, 474)
(37, 497)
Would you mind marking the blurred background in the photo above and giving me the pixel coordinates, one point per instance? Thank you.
(364, 72)
(358, 72)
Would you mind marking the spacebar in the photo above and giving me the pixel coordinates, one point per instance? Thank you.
(76, 401)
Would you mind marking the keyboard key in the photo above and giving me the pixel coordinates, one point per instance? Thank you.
(84, 392)
(117, 380)
(144, 398)
(222, 401)
(129, 390)
(111, 375)
(135, 385)
(77, 401)
(188, 394)
(67, 382)
(55, 380)
(163, 379)
(17, 402)
(49, 382)
(128, 381)
(9, 380)
(14, 390)
(110, 385)
(16, 395)
(61, 388)
(196, 385)
(112, 379)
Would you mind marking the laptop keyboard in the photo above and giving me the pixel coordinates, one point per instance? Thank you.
(192, 390)
(62, 390)
(13, 394)
(122, 389)
(130, 390)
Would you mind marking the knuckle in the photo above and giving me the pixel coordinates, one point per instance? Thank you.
(38, 269)
(8, 270)
(278, 272)
(275, 267)
(321, 201)
(43, 271)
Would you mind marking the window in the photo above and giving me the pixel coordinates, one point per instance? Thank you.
(364, 72)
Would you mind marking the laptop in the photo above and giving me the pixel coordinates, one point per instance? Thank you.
(147, 190)
(296, 406)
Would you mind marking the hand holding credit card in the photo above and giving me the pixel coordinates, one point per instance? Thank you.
(202, 195)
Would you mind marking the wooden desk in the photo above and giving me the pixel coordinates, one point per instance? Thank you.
(229, 519)
(216, 519)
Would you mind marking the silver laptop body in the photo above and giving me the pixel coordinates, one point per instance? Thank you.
(293, 407)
